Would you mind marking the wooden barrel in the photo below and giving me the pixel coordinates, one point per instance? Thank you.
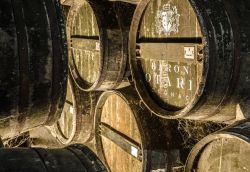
(129, 138)
(97, 45)
(77, 158)
(190, 58)
(77, 120)
(33, 68)
(224, 151)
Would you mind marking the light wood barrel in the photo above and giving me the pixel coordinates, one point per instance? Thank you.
(224, 151)
(34, 63)
(189, 62)
(129, 138)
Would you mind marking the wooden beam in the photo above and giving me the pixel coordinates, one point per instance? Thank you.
(85, 43)
(168, 51)
(125, 143)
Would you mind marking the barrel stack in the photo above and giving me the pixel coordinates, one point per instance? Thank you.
(136, 69)
(97, 38)
(124, 128)
(182, 61)
(189, 59)
(97, 34)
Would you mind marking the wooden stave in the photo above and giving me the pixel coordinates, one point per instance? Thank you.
(33, 79)
(79, 158)
(111, 49)
(238, 131)
(222, 107)
(154, 144)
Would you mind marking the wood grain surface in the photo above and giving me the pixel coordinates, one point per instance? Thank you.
(118, 115)
(84, 43)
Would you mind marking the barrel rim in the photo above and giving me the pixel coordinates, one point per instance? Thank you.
(196, 151)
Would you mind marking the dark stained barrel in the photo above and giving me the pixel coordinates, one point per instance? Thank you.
(129, 138)
(190, 58)
(77, 120)
(97, 45)
(224, 151)
(75, 158)
(33, 68)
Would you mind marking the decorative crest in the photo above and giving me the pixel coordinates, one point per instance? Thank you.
(167, 20)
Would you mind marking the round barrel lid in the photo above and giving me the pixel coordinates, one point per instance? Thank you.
(225, 154)
(119, 137)
(129, 138)
(84, 45)
(224, 151)
(167, 55)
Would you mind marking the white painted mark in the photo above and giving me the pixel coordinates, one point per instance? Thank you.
(134, 151)
(189, 52)
(148, 77)
(159, 170)
(71, 110)
(97, 46)
(167, 20)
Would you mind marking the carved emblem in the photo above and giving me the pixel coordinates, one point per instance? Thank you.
(167, 20)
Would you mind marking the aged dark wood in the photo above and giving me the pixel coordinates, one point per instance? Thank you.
(33, 68)
(224, 151)
(77, 120)
(77, 158)
(98, 45)
(129, 138)
(190, 58)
